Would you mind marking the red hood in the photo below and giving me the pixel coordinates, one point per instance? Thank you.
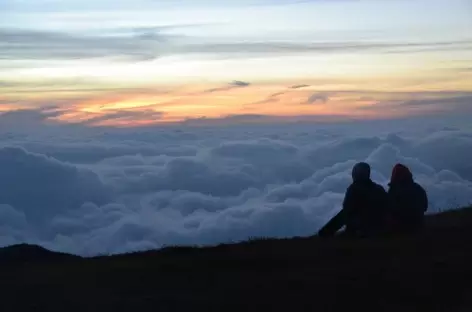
(400, 173)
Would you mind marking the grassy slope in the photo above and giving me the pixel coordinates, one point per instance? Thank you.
(432, 271)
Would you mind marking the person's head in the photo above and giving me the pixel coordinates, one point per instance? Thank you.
(401, 173)
(361, 172)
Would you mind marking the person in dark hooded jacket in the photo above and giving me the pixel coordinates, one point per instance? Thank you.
(364, 207)
(407, 200)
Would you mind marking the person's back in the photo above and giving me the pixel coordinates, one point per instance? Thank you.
(363, 207)
(407, 201)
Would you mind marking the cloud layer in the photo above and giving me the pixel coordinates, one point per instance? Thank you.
(141, 44)
(92, 191)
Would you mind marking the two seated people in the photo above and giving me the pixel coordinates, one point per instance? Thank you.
(368, 210)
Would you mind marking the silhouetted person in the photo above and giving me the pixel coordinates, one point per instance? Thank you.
(407, 201)
(364, 207)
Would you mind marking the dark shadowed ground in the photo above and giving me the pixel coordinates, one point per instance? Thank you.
(430, 272)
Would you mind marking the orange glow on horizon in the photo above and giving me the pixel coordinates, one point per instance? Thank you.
(173, 104)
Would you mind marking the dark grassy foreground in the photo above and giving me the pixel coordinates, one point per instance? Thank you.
(430, 272)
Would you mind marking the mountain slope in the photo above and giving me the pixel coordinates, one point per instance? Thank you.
(430, 271)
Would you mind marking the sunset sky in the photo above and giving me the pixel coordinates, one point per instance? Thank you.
(141, 62)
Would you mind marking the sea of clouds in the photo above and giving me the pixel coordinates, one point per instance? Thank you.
(98, 191)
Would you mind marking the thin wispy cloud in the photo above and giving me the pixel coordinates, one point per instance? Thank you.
(300, 86)
(321, 98)
(460, 103)
(42, 45)
(147, 44)
(125, 117)
(232, 85)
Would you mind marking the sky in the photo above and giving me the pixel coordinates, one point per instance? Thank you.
(133, 125)
(144, 62)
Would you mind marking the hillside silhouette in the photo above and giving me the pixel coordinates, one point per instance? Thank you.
(431, 271)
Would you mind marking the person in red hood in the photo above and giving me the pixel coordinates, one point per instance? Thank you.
(407, 201)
